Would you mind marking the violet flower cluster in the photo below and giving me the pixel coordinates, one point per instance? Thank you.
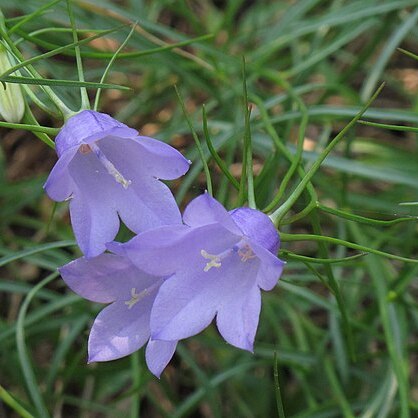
(178, 273)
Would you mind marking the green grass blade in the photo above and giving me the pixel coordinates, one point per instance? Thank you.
(63, 83)
(14, 404)
(25, 362)
(197, 142)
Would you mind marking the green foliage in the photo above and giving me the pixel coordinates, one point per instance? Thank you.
(338, 336)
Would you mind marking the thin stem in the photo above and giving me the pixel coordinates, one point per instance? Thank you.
(305, 259)
(25, 363)
(105, 11)
(221, 164)
(300, 215)
(279, 400)
(362, 219)
(388, 126)
(197, 142)
(65, 111)
(85, 103)
(301, 137)
(136, 383)
(12, 402)
(281, 148)
(32, 128)
(248, 152)
(106, 71)
(40, 103)
(42, 135)
(333, 284)
(33, 15)
(320, 238)
(283, 209)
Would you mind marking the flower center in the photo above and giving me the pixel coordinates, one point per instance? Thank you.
(110, 168)
(243, 250)
(246, 253)
(136, 297)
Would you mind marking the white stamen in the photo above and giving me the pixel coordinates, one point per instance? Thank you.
(111, 169)
(136, 297)
(215, 260)
(243, 250)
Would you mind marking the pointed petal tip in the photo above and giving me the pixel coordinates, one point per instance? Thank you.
(157, 374)
(90, 359)
(250, 347)
(93, 357)
(247, 345)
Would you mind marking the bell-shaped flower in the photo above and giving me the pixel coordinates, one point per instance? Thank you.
(12, 104)
(124, 326)
(108, 171)
(219, 261)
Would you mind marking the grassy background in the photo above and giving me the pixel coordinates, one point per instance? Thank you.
(345, 334)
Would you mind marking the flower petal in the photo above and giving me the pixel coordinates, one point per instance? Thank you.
(258, 227)
(105, 278)
(164, 250)
(187, 302)
(204, 210)
(59, 185)
(154, 251)
(93, 207)
(158, 354)
(93, 224)
(161, 160)
(119, 331)
(184, 306)
(237, 321)
(89, 126)
(271, 267)
(146, 203)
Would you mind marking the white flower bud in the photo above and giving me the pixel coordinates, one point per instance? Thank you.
(12, 105)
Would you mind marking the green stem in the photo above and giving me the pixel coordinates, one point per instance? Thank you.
(334, 285)
(33, 15)
(301, 137)
(109, 65)
(85, 103)
(221, 164)
(9, 400)
(42, 135)
(300, 215)
(197, 142)
(279, 400)
(305, 259)
(362, 219)
(281, 148)
(320, 238)
(248, 152)
(65, 111)
(286, 206)
(32, 128)
(136, 383)
(25, 362)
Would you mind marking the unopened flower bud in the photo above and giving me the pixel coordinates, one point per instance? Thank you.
(12, 105)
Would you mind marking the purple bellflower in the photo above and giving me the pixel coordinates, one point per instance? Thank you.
(124, 326)
(108, 171)
(219, 261)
